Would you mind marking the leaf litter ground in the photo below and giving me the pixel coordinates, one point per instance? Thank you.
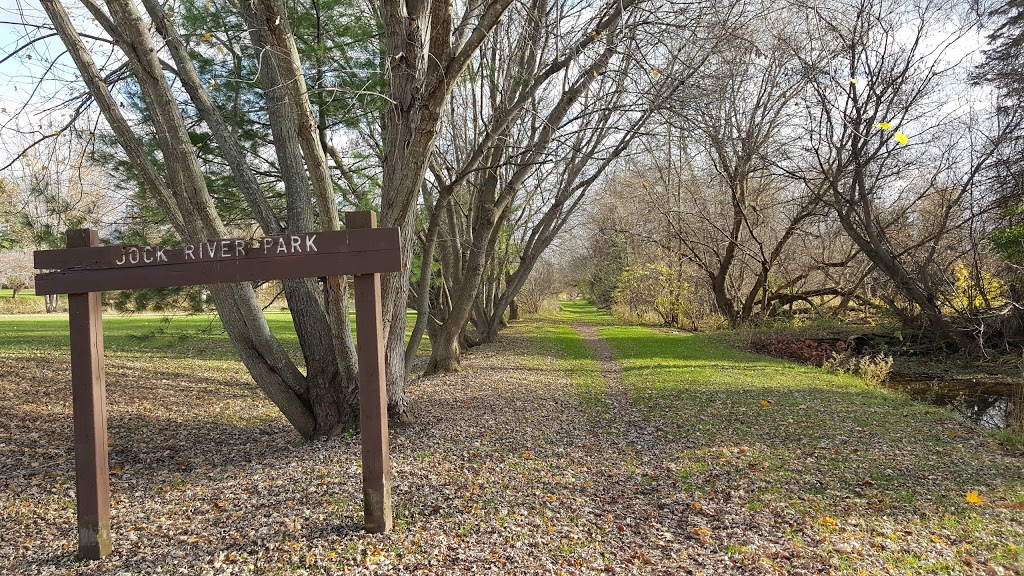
(624, 451)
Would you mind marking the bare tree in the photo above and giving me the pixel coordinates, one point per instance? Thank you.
(504, 190)
(16, 270)
(878, 71)
(426, 50)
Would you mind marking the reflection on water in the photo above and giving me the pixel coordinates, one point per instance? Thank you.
(984, 404)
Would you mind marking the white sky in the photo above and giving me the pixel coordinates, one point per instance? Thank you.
(24, 100)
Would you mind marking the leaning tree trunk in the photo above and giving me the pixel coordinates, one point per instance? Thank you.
(317, 316)
(446, 351)
(871, 245)
(316, 405)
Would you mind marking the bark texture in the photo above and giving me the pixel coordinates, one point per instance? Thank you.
(323, 400)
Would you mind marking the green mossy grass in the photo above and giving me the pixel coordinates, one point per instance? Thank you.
(853, 458)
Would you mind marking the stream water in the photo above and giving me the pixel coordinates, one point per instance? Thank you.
(985, 404)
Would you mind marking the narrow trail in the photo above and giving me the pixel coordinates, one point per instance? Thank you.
(631, 427)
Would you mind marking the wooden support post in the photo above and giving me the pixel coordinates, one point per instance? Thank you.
(373, 403)
(88, 389)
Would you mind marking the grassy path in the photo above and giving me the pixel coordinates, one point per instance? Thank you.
(623, 414)
(646, 452)
(783, 462)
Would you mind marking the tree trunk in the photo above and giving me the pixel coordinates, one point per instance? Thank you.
(394, 302)
(261, 353)
(871, 246)
(316, 404)
(445, 351)
(410, 129)
(1016, 423)
(423, 311)
(725, 305)
(332, 388)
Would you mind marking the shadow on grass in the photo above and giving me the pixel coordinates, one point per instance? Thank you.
(781, 431)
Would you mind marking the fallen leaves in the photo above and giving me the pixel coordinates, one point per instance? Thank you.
(503, 472)
(972, 497)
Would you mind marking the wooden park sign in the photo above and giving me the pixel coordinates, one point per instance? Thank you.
(84, 269)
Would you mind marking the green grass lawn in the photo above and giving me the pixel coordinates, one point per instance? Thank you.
(179, 336)
(696, 450)
(27, 294)
(860, 463)
(579, 311)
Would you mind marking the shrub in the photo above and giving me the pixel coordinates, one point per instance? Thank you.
(652, 291)
(875, 369)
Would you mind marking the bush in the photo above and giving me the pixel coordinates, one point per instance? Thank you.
(875, 369)
(652, 291)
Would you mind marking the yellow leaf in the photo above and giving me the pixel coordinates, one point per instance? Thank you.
(207, 37)
(883, 125)
(116, 470)
(973, 497)
(655, 73)
(766, 403)
(901, 137)
(853, 81)
(209, 5)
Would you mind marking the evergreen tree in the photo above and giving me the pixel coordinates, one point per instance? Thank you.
(1003, 69)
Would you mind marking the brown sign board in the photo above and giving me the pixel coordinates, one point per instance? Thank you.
(335, 253)
(85, 269)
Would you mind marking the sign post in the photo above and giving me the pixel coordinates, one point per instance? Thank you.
(373, 400)
(89, 406)
(85, 269)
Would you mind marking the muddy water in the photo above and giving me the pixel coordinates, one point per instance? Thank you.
(986, 404)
